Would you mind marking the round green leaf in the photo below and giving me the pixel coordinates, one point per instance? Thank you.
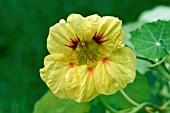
(152, 40)
(52, 104)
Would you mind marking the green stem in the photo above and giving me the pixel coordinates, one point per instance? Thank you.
(128, 98)
(166, 68)
(160, 62)
(106, 105)
(126, 110)
(143, 105)
(158, 66)
(163, 71)
(132, 101)
(142, 58)
(165, 104)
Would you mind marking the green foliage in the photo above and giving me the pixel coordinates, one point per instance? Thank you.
(152, 39)
(24, 29)
(52, 104)
(139, 91)
(168, 59)
(97, 107)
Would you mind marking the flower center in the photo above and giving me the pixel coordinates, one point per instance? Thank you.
(87, 52)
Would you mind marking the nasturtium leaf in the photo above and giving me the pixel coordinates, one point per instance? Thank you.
(128, 28)
(52, 104)
(152, 40)
(139, 91)
(146, 16)
(166, 42)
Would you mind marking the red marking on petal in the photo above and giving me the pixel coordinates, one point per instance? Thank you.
(70, 65)
(72, 46)
(77, 38)
(73, 43)
(99, 38)
(106, 61)
(90, 70)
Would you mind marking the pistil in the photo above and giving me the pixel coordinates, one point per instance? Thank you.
(85, 56)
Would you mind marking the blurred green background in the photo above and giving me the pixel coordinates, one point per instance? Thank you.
(24, 27)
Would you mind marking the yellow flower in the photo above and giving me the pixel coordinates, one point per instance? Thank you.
(87, 58)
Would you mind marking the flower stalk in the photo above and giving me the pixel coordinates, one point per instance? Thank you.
(128, 98)
(161, 69)
(106, 105)
(143, 105)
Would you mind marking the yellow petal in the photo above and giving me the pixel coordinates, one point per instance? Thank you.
(87, 30)
(59, 37)
(81, 26)
(80, 84)
(108, 47)
(94, 21)
(53, 74)
(111, 30)
(115, 72)
(110, 27)
(75, 21)
(74, 82)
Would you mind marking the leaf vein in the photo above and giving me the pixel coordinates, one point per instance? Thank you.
(148, 30)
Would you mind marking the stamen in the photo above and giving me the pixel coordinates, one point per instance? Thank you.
(84, 54)
(92, 57)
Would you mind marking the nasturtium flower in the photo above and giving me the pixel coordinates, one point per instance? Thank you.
(87, 58)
